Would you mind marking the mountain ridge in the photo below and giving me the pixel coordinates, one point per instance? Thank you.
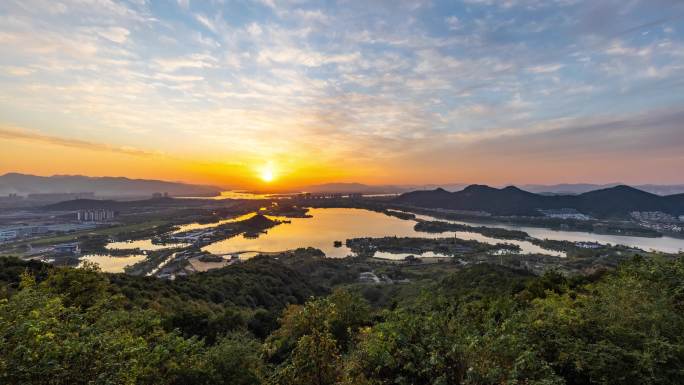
(616, 201)
(106, 186)
(552, 189)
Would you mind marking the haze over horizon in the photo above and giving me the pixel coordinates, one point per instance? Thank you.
(29, 183)
(287, 93)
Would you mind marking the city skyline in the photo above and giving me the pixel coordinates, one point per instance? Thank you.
(287, 93)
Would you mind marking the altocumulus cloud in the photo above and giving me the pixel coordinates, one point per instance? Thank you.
(378, 81)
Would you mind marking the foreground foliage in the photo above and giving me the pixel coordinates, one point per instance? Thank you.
(482, 325)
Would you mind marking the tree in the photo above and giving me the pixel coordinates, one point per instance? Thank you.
(411, 348)
(341, 314)
(315, 361)
(624, 329)
(43, 340)
(235, 360)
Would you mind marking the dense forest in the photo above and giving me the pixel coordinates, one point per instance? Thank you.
(302, 319)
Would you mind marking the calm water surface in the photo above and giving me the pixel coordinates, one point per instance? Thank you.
(142, 244)
(199, 226)
(664, 244)
(237, 194)
(112, 264)
(339, 224)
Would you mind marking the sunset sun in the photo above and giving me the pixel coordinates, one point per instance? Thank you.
(267, 173)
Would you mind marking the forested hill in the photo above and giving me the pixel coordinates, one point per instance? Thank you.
(616, 201)
(301, 320)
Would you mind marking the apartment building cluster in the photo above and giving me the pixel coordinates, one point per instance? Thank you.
(95, 215)
(653, 216)
(659, 221)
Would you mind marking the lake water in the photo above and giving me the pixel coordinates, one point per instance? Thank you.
(339, 224)
(147, 245)
(113, 264)
(200, 226)
(664, 244)
(142, 244)
(238, 194)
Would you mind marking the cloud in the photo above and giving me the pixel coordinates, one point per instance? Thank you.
(205, 21)
(312, 16)
(197, 60)
(179, 78)
(655, 133)
(545, 69)
(254, 30)
(295, 56)
(619, 49)
(453, 23)
(17, 71)
(115, 34)
(376, 82)
(14, 133)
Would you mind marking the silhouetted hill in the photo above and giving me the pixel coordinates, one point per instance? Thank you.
(105, 186)
(506, 201)
(83, 204)
(259, 222)
(616, 201)
(429, 198)
(619, 200)
(556, 189)
(675, 201)
(579, 188)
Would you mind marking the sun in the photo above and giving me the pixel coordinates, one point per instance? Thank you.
(267, 173)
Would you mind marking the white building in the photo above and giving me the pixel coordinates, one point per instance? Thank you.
(368, 277)
(95, 215)
(8, 234)
(15, 232)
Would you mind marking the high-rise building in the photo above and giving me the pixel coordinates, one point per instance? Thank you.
(95, 215)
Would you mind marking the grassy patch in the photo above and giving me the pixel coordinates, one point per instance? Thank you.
(101, 231)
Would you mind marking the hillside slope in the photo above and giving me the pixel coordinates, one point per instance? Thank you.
(107, 186)
(616, 201)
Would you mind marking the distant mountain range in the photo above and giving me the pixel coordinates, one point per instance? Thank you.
(559, 189)
(24, 184)
(616, 201)
(579, 188)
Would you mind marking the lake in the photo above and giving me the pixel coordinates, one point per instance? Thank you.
(664, 244)
(113, 264)
(328, 225)
(339, 224)
(199, 226)
(142, 244)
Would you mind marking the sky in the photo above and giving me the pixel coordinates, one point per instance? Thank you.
(292, 92)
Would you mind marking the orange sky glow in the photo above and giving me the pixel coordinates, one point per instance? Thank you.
(277, 94)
